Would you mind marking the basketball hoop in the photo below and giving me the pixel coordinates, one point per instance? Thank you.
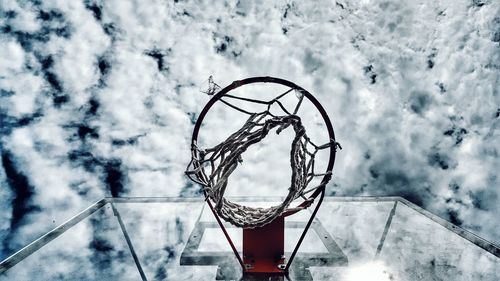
(222, 159)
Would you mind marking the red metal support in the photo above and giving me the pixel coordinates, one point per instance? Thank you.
(264, 248)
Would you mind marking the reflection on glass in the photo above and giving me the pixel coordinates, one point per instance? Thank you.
(94, 249)
(176, 239)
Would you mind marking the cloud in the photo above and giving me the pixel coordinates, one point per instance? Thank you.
(99, 98)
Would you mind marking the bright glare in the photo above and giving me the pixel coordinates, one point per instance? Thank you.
(373, 271)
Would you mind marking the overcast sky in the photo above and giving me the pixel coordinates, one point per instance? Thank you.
(98, 98)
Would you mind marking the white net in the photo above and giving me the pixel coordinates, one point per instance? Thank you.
(211, 167)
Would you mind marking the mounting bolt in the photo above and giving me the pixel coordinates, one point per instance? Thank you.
(248, 266)
(282, 266)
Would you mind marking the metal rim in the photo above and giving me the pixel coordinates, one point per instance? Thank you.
(268, 79)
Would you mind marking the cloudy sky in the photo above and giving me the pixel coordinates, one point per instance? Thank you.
(98, 98)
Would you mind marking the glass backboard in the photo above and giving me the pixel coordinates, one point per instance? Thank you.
(352, 238)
